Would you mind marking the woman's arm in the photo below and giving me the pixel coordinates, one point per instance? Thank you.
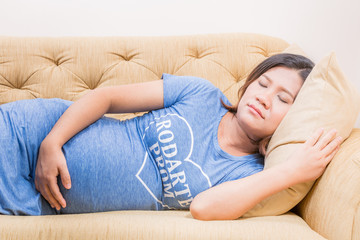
(230, 200)
(88, 109)
(119, 99)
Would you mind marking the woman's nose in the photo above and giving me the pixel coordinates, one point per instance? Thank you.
(264, 100)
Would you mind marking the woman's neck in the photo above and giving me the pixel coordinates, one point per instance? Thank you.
(232, 138)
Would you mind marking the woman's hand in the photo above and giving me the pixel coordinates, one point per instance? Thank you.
(51, 163)
(310, 160)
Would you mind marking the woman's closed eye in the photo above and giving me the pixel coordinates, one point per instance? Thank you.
(262, 84)
(282, 99)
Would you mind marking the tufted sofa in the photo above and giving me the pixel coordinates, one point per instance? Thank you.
(69, 67)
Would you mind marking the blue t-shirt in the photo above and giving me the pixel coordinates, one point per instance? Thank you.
(181, 143)
(157, 161)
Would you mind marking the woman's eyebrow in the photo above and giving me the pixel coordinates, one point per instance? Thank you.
(281, 87)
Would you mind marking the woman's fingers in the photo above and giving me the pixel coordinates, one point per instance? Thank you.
(65, 177)
(315, 137)
(332, 146)
(328, 145)
(321, 142)
(52, 194)
(328, 137)
(50, 198)
(56, 195)
(54, 187)
(51, 163)
(329, 157)
(45, 192)
(311, 158)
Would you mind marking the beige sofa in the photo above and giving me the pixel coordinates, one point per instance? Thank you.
(69, 67)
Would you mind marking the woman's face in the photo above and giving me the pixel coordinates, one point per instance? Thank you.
(266, 101)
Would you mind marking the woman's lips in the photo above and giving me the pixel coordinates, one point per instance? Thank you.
(256, 110)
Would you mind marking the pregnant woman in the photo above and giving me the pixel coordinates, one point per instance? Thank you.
(192, 150)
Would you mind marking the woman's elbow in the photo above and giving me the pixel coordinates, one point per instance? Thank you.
(205, 209)
(212, 210)
(199, 211)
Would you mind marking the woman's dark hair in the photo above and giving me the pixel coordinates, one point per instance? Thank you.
(301, 64)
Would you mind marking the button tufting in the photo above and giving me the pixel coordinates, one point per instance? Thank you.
(67, 68)
(198, 54)
(125, 57)
(262, 51)
(57, 61)
(61, 60)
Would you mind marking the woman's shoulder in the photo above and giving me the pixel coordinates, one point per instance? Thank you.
(189, 81)
(189, 88)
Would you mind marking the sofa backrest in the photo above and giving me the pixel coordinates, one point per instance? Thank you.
(68, 67)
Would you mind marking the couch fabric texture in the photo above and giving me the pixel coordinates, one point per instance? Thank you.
(69, 67)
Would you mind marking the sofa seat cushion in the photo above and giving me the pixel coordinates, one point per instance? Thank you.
(153, 225)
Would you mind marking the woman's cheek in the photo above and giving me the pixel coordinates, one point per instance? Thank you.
(281, 113)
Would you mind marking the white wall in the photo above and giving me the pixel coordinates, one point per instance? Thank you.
(318, 26)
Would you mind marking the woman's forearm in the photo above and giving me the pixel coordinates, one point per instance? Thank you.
(232, 199)
(78, 116)
(116, 99)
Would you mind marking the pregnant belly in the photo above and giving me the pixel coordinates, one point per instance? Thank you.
(103, 160)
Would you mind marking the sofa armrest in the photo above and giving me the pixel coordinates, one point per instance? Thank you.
(332, 206)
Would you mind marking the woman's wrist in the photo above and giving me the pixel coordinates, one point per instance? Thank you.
(51, 142)
(290, 173)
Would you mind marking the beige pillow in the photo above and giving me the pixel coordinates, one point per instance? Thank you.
(327, 99)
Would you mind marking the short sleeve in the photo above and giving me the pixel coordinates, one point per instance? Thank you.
(251, 164)
(181, 88)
